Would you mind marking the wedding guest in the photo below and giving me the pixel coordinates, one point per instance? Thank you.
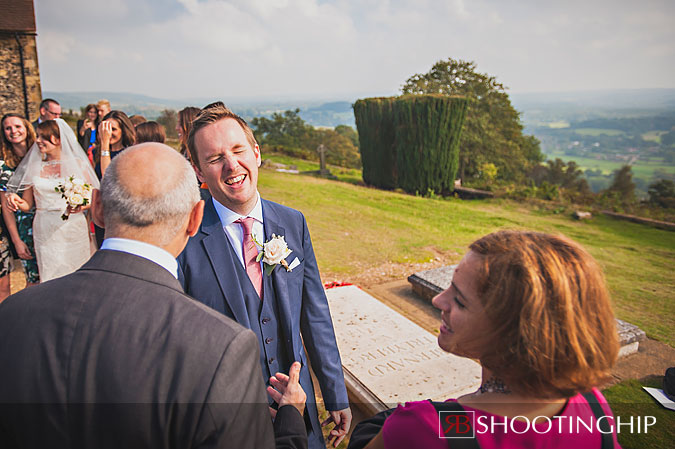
(50, 109)
(115, 355)
(86, 131)
(61, 245)
(116, 132)
(103, 108)
(183, 127)
(137, 119)
(17, 138)
(534, 309)
(150, 132)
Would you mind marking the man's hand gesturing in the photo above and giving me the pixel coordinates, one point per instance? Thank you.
(286, 390)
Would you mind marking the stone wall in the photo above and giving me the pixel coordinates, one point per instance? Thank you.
(11, 83)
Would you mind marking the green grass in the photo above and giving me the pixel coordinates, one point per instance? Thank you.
(598, 132)
(629, 399)
(653, 136)
(355, 228)
(350, 175)
(559, 124)
(641, 169)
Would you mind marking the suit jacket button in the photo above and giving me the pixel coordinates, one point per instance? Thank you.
(268, 340)
(266, 320)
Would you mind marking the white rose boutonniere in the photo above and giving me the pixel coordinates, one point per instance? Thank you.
(274, 252)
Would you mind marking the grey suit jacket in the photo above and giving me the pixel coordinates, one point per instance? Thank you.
(116, 355)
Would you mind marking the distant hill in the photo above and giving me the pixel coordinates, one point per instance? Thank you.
(316, 113)
(536, 108)
(542, 108)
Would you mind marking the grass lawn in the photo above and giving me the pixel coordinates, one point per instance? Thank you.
(356, 228)
(654, 136)
(629, 399)
(641, 169)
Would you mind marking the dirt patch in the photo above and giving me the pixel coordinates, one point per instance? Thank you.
(369, 276)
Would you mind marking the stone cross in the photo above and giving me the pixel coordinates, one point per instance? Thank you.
(322, 157)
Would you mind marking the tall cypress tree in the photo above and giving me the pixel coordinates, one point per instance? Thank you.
(411, 142)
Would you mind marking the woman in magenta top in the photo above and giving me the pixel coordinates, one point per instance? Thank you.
(534, 309)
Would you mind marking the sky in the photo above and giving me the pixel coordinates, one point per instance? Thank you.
(345, 49)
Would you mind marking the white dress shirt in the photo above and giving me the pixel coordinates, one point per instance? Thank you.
(145, 250)
(234, 231)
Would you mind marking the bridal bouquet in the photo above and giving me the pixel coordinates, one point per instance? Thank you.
(76, 193)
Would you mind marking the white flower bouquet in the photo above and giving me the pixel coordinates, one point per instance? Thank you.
(76, 192)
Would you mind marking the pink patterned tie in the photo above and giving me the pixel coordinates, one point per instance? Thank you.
(250, 253)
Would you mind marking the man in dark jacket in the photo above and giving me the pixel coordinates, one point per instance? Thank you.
(116, 355)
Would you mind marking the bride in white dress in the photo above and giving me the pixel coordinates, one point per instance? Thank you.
(61, 246)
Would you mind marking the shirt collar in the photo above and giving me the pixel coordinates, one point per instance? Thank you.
(145, 250)
(227, 216)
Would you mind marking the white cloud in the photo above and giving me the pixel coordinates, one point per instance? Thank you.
(329, 48)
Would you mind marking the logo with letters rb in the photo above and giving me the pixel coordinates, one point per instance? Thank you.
(459, 424)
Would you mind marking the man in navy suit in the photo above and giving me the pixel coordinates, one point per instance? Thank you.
(220, 267)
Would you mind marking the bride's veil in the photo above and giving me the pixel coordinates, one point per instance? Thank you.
(73, 162)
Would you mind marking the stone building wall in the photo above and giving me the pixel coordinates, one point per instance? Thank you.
(11, 82)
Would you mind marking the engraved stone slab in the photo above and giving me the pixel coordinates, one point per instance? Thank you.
(429, 283)
(389, 359)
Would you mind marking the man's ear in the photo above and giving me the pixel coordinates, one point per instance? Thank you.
(198, 172)
(258, 157)
(195, 218)
(96, 209)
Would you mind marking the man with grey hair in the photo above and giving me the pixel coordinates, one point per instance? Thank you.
(116, 355)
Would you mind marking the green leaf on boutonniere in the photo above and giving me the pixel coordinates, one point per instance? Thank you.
(269, 268)
(260, 256)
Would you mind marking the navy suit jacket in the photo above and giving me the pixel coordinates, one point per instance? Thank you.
(211, 272)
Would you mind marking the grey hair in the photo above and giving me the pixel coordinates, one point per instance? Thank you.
(170, 209)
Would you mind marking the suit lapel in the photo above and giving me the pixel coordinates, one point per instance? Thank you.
(224, 260)
(272, 225)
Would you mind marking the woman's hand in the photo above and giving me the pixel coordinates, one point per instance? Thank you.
(75, 210)
(15, 202)
(22, 250)
(83, 127)
(105, 128)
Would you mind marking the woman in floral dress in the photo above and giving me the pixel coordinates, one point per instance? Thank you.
(17, 137)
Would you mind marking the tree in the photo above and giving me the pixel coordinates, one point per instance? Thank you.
(349, 132)
(623, 185)
(662, 193)
(282, 132)
(492, 132)
(289, 134)
(168, 118)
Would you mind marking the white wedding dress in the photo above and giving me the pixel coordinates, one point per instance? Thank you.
(61, 246)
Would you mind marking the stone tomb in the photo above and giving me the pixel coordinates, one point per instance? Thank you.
(388, 359)
(429, 283)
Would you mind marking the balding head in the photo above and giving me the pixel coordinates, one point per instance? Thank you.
(148, 190)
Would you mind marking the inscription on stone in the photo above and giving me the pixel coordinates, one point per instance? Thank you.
(393, 357)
